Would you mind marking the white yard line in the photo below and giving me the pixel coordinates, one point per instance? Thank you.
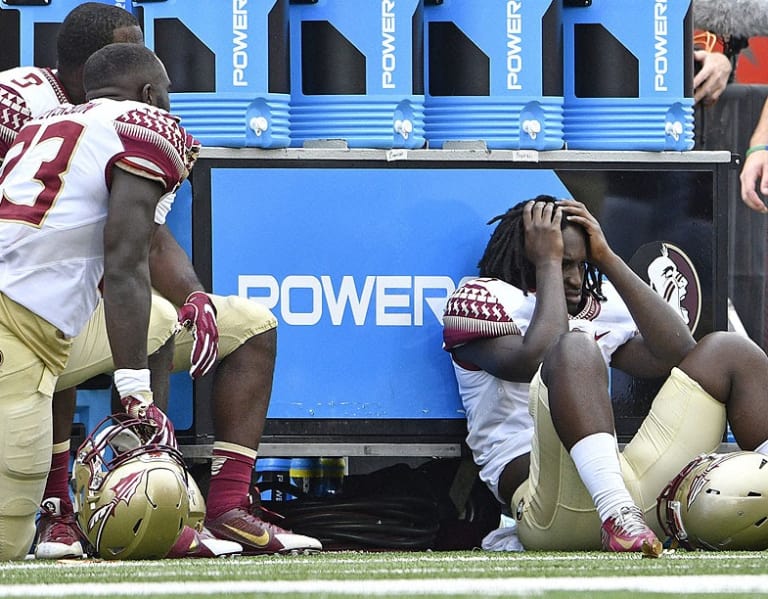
(401, 588)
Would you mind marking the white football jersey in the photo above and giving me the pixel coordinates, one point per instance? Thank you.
(26, 92)
(500, 427)
(54, 190)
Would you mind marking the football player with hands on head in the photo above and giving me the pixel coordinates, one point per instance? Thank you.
(188, 330)
(531, 341)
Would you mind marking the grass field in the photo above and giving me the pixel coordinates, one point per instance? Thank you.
(419, 574)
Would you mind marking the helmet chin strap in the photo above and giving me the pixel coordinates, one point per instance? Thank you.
(674, 511)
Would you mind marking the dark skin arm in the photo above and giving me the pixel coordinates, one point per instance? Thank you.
(171, 271)
(513, 357)
(664, 338)
(663, 342)
(128, 235)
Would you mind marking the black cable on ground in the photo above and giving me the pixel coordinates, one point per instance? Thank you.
(394, 522)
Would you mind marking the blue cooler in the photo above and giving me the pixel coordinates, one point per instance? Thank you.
(228, 64)
(357, 72)
(273, 478)
(628, 75)
(494, 72)
(333, 471)
(306, 475)
(28, 30)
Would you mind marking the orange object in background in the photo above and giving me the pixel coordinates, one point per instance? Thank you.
(752, 64)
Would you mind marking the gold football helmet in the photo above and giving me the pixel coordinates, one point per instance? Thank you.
(131, 493)
(718, 502)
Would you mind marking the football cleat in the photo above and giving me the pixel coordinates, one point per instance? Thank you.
(627, 530)
(58, 535)
(192, 543)
(245, 525)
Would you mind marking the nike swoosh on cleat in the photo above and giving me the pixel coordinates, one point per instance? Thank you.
(261, 540)
(625, 543)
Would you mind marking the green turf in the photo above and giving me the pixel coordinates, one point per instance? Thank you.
(422, 574)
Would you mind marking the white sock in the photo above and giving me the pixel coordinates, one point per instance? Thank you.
(596, 458)
(762, 448)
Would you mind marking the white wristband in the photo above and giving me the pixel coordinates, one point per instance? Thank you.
(129, 381)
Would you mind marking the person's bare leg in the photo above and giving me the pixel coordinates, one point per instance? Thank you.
(64, 405)
(579, 399)
(242, 388)
(734, 370)
(577, 379)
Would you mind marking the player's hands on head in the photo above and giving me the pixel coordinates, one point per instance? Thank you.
(198, 315)
(543, 236)
(577, 213)
(754, 171)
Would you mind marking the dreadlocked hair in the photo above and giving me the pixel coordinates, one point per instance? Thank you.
(504, 257)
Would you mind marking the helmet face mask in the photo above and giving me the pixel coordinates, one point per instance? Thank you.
(131, 493)
(718, 502)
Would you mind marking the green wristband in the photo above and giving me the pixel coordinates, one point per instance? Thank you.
(754, 149)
